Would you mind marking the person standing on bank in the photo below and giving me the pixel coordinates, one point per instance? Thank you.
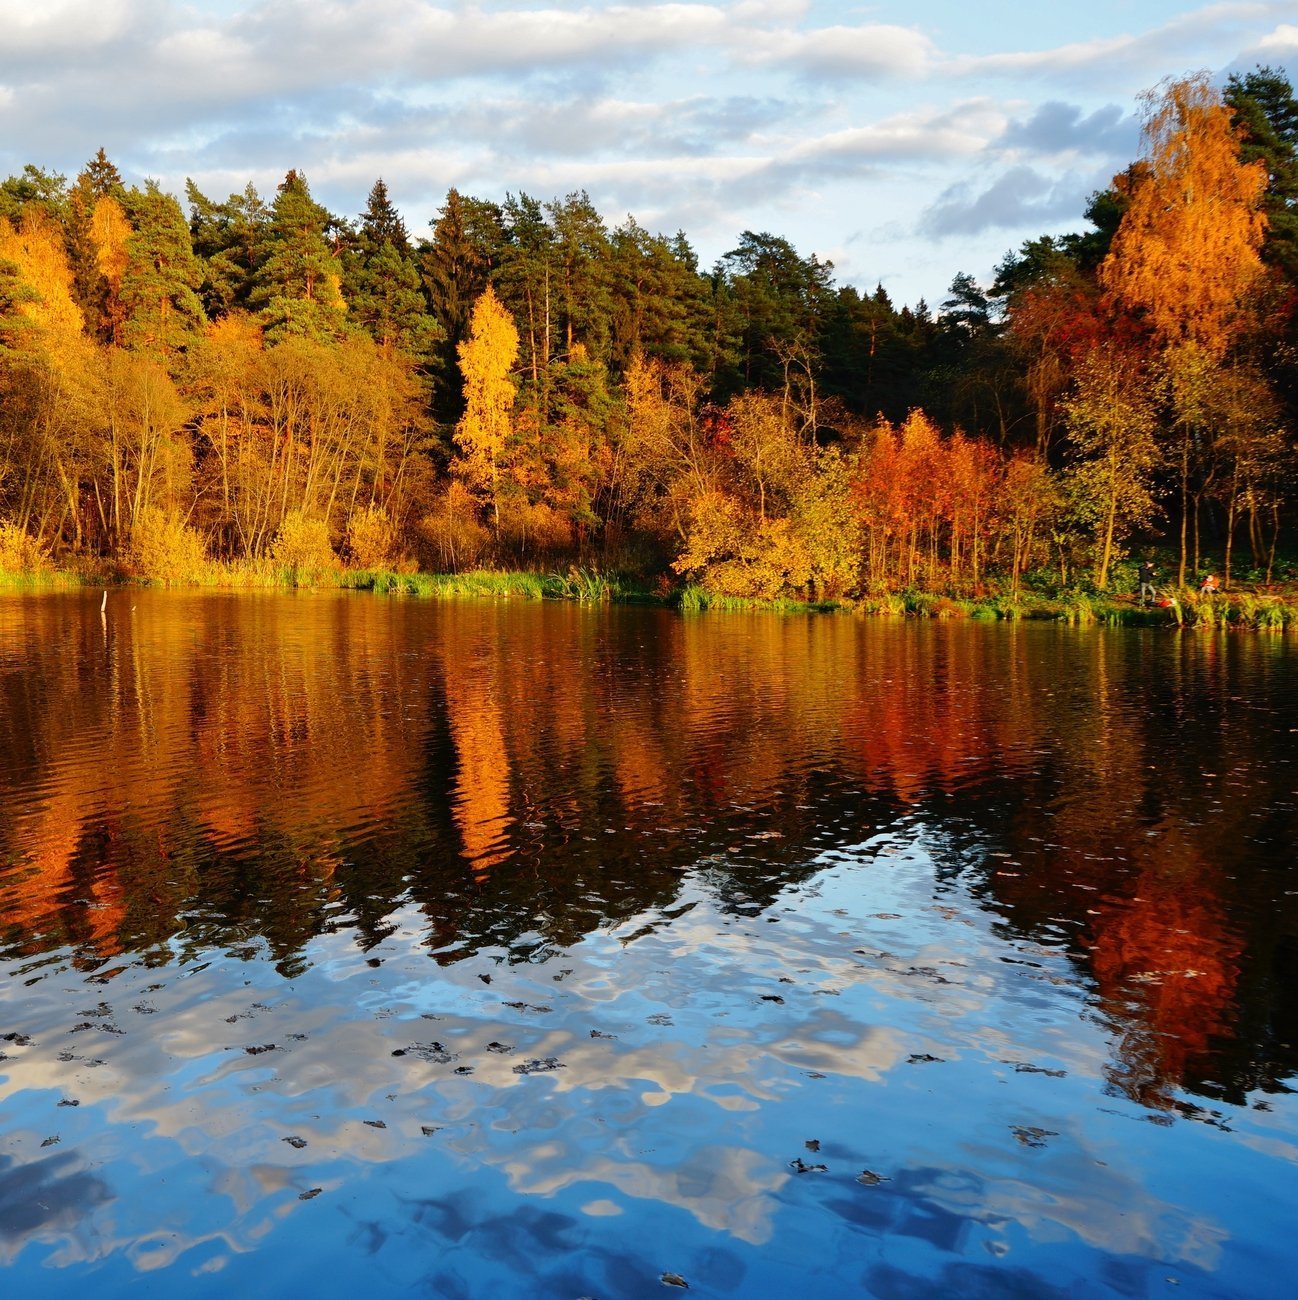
(1147, 592)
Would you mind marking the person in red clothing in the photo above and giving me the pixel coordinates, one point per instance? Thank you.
(1209, 585)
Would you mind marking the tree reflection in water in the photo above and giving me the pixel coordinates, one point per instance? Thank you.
(215, 771)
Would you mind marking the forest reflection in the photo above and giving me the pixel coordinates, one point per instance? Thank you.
(197, 771)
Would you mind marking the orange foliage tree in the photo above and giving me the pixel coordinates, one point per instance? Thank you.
(1187, 252)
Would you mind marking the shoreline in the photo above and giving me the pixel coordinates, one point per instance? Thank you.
(1244, 610)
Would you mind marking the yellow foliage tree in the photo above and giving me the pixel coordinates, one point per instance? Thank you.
(109, 229)
(35, 247)
(487, 358)
(1111, 420)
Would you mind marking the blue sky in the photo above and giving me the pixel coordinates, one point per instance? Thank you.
(904, 142)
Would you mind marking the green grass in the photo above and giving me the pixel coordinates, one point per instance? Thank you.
(1076, 606)
(694, 598)
(39, 580)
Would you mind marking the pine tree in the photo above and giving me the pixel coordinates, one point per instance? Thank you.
(95, 236)
(230, 240)
(457, 264)
(1266, 115)
(163, 313)
(297, 287)
(382, 281)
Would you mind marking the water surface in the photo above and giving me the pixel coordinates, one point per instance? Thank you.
(352, 944)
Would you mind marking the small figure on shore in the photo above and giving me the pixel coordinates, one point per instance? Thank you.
(1147, 592)
(1209, 586)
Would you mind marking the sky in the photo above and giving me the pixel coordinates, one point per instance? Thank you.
(903, 142)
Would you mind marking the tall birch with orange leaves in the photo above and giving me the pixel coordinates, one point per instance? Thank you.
(1187, 253)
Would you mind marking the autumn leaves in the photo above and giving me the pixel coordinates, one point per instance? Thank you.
(527, 388)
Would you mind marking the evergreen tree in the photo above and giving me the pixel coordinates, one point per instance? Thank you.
(584, 288)
(383, 284)
(297, 288)
(775, 299)
(1266, 115)
(98, 188)
(231, 241)
(382, 224)
(162, 275)
(456, 266)
(48, 190)
(528, 285)
(660, 302)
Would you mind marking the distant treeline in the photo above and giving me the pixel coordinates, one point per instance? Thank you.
(261, 381)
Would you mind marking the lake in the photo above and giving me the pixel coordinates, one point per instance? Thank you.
(355, 945)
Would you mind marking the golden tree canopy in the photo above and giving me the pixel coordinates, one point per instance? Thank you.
(36, 248)
(486, 358)
(1186, 253)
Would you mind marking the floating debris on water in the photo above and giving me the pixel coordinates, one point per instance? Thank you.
(1031, 1136)
(539, 1066)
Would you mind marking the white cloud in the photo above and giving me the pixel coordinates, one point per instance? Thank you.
(878, 51)
(1284, 40)
(1160, 50)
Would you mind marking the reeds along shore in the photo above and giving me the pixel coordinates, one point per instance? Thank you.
(1265, 611)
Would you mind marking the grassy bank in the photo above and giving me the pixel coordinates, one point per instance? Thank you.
(1272, 611)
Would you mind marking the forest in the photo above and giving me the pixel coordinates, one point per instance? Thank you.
(262, 390)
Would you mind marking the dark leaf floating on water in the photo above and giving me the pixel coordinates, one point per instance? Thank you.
(772, 997)
(675, 1279)
(812, 1144)
(660, 1018)
(539, 1066)
(311, 1195)
(799, 1166)
(1030, 1136)
(296, 1142)
(527, 1006)
(259, 1049)
(51, 1142)
(69, 1102)
(599, 1033)
(464, 1069)
(374, 1123)
(18, 1040)
(502, 1048)
(429, 1129)
(917, 1058)
(434, 1052)
(868, 1178)
(1021, 1067)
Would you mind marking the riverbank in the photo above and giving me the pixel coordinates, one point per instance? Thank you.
(1271, 610)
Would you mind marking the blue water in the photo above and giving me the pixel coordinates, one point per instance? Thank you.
(351, 946)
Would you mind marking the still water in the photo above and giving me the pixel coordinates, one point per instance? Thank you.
(363, 946)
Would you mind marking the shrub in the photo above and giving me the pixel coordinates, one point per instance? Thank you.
(453, 537)
(20, 552)
(165, 549)
(372, 539)
(302, 547)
